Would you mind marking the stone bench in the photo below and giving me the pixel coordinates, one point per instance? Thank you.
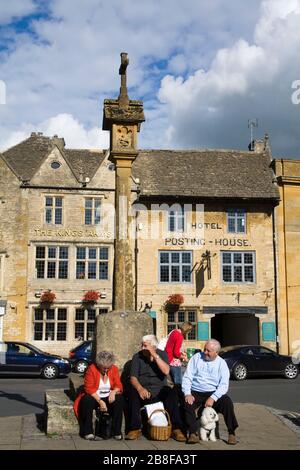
(60, 417)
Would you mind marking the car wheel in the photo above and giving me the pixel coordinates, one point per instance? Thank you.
(291, 371)
(240, 371)
(81, 367)
(49, 371)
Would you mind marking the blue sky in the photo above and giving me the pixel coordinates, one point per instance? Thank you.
(203, 68)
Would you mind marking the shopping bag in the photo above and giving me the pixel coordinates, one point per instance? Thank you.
(103, 426)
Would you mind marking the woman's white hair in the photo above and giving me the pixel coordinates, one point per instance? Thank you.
(150, 339)
(104, 359)
(215, 344)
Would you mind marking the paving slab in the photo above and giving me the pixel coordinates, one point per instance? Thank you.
(260, 428)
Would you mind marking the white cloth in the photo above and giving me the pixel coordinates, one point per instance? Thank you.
(157, 419)
(103, 388)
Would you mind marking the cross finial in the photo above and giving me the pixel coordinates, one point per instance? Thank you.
(123, 97)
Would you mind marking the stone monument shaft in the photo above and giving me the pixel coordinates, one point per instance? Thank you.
(122, 118)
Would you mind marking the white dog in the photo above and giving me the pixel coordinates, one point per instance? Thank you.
(208, 421)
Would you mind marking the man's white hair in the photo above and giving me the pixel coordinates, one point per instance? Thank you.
(150, 339)
(215, 344)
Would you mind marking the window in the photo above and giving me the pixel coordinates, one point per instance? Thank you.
(92, 211)
(175, 266)
(238, 266)
(176, 318)
(53, 210)
(50, 324)
(92, 262)
(176, 220)
(55, 165)
(51, 262)
(236, 221)
(85, 322)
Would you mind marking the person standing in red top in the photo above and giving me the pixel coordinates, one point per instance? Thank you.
(175, 354)
(102, 389)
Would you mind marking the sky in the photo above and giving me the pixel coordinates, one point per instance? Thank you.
(203, 69)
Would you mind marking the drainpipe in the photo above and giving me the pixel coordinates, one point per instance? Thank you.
(136, 251)
(285, 261)
(275, 279)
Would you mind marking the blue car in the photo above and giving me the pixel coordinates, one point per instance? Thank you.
(81, 356)
(18, 358)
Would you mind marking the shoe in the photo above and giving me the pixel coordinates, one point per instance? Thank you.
(178, 435)
(132, 435)
(232, 440)
(118, 437)
(89, 437)
(98, 438)
(193, 438)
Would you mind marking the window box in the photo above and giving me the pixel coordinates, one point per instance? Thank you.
(91, 297)
(47, 297)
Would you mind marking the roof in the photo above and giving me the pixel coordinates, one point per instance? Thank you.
(26, 157)
(84, 163)
(206, 173)
(168, 173)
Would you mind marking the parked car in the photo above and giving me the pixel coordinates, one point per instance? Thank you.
(24, 358)
(81, 356)
(246, 361)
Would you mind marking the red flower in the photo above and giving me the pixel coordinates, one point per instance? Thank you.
(174, 299)
(91, 296)
(47, 297)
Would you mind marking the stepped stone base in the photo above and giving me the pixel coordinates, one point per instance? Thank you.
(59, 411)
(75, 385)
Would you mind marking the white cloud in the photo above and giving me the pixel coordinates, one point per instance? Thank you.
(15, 8)
(74, 133)
(218, 64)
(248, 79)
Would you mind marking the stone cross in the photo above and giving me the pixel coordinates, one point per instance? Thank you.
(123, 96)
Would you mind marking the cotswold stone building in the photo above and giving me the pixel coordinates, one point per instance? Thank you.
(203, 227)
(288, 232)
(51, 239)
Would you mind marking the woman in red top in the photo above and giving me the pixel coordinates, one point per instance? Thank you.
(103, 389)
(173, 349)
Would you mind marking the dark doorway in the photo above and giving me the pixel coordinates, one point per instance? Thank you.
(235, 328)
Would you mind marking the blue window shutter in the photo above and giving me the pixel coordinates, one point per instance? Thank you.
(203, 330)
(268, 331)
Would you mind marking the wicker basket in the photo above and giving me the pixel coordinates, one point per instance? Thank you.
(160, 433)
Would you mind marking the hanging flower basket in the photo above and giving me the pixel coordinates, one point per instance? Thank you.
(47, 297)
(91, 297)
(173, 302)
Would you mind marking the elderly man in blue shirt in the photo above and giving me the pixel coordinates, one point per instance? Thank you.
(205, 383)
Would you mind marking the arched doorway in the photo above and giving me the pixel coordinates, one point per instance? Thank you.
(235, 328)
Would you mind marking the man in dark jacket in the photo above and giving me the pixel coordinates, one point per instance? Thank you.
(148, 384)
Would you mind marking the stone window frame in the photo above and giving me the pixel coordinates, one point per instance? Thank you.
(236, 220)
(59, 261)
(86, 324)
(55, 210)
(88, 261)
(181, 264)
(51, 319)
(243, 265)
(92, 214)
(176, 318)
